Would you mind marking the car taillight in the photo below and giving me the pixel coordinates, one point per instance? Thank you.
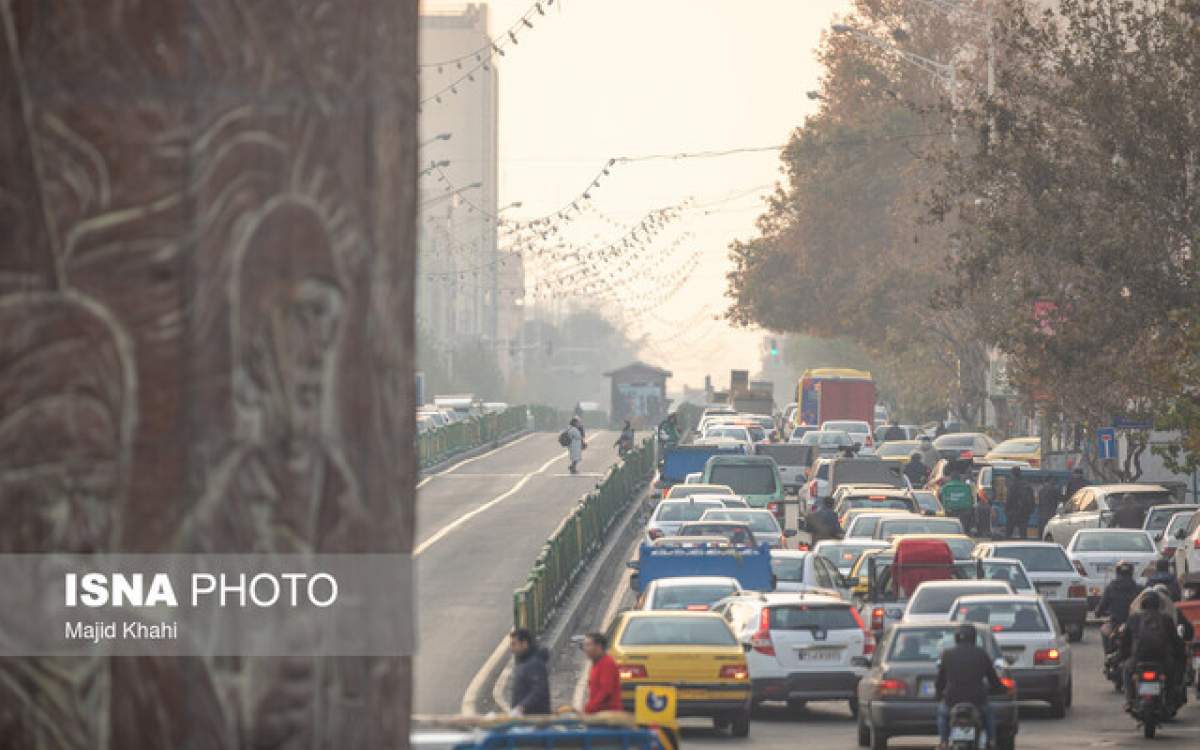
(1077, 592)
(1035, 462)
(1196, 543)
(1046, 656)
(761, 640)
(1079, 567)
(868, 639)
(1010, 685)
(812, 488)
(734, 672)
(631, 671)
(966, 454)
(877, 618)
(890, 688)
(1149, 676)
(697, 608)
(656, 533)
(870, 441)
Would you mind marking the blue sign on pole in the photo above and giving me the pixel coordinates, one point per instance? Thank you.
(1131, 423)
(1106, 439)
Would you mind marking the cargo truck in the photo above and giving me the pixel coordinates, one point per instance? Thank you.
(835, 393)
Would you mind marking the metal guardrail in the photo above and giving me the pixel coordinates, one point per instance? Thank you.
(442, 443)
(578, 537)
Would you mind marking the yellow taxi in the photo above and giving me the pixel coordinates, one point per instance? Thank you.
(898, 451)
(858, 573)
(960, 544)
(1027, 449)
(694, 652)
(684, 491)
(848, 517)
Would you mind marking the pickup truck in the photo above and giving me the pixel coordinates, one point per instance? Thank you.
(793, 460)
(676, 557)
(676, 463)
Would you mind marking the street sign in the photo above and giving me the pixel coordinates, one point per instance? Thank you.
(1131, 423)
(1106, 439)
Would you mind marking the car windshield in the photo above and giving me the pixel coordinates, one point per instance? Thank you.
(1018, 447)
(892, 526)
(1003, 617)
(931, 600)
(858, 428)
(827, 439)
(1112, 541)
(879, 501)
(677, 631)
(817, 617)
(1048, 559)
(788, 568)
(843, 556)
(758, 522)
(866, 471)
(675, 512)
(683, 597)
(894, 449)
(921, 644)
(758, 479)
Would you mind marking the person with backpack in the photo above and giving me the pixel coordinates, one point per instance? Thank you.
(1150, 636)
(957, 499)
(1117, 600)
(572, 439)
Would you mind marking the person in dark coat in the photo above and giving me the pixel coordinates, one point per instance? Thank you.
(530, 692)
(1116, 600)
(1048, 500)
(1019, 505)
(1076, 482)
(965, 673)
(1129, 514)
(916, 470)
(894, 431)
(824, 523)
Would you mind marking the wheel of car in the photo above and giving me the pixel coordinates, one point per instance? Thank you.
(854, 706)
(1070, 696)
(720, 723)
(1075, 633)
(864, 733)
(878, 739)
(1006, 741)
(741, 724)
(1058, 707)
(795, 704)
(1148, 730)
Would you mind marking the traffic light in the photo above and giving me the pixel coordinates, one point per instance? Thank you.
(774, 348)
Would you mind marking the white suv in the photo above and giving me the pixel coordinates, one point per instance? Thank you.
(1187, 555)
(801, 647)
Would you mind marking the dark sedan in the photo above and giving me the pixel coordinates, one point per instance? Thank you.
(897, 697)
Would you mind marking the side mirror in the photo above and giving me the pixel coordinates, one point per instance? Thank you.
(789, 533)
(1158, 537)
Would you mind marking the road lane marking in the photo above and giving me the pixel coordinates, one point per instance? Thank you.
(445, 530)
(473, 459)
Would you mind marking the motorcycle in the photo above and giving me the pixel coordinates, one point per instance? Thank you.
(1150, 701)
(966, 728)
(1114, 667)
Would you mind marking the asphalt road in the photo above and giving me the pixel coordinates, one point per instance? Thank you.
(480, 526)
(1095, 720)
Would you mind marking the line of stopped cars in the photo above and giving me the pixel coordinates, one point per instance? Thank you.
(738, 611)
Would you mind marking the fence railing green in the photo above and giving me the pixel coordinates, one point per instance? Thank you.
(578, 538)
(436, 446)
(548, 418)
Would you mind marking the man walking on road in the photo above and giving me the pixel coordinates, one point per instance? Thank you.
(530, 678)
(1048, 499)
(1019, 505)
(604, 680)
(575, 445)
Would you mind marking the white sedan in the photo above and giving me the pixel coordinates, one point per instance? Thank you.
(1096, 552)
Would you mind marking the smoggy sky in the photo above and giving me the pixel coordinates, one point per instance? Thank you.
(607, 78)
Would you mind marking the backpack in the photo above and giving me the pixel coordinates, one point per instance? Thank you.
(1152, 638)
(564, 439)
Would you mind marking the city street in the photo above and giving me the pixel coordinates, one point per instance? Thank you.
(480, 526)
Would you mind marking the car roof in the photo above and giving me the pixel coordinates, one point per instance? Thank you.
(1177, 507)
(711, 497)
(693, 581)
(793, 597)
(734, 459)
(692, 500)
(959, 582)
(1018, 598)
(759, 511)
(858, 489)
(1025, 439)
(792, 553)
(718, 524)
(928, 535)
(1110, 531)
(1110, 488)
(630, 614)
(1002, 544)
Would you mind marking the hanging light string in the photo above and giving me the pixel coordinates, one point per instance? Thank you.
(493, 45)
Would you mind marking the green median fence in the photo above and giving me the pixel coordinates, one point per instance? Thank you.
(580, 535)
(443, 443)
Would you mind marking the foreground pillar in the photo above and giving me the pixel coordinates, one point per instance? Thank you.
(206, 262)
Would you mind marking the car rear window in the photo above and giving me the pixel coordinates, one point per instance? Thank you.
(855, 427)
(758, 522)
(866, 471)
(788, 568)
(682, 597)
(864, 526)
(784, 454)
(929, 600)
(1038, 559)
(927, 644)
(879, 501)
(891, 527)
(736, 534)
(671, 631)
(843, 556)
(745, 480)
(1114, 542)
(674, 512)
(995, 570)
(814, 617)
(1004, 617)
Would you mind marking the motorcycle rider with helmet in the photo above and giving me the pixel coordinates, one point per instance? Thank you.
(965, 674)
(1115, 602)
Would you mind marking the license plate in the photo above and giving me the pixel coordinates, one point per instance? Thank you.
(818, 654)
(1053, 587)
(693, 694)
(926, 688)
(1149, 688)
(962, 734)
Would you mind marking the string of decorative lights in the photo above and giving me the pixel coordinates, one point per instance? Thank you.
(498, 42)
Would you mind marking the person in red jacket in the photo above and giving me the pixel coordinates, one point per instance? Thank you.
(604, 681)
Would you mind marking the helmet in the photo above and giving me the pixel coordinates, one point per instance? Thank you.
(915, 457)
(965, 634)
(1125, 568)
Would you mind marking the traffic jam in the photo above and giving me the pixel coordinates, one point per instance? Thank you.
(836, 556)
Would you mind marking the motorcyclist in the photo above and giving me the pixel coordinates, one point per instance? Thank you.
(965, 672)
(824, 523)
(1115, 602)
(624, 442)
(916, 470)
(1150, 636)
(668, 431)
(1128, 515)
(1163, 576)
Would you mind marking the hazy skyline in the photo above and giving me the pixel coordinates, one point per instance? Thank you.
(597, 79)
